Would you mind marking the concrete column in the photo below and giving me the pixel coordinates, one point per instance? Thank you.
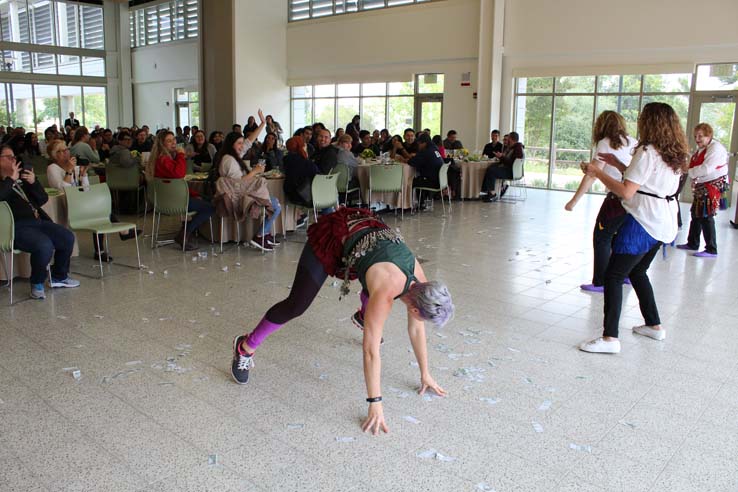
(491, 38)
(217, 69)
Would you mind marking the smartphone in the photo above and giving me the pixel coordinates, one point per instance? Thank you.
(27, 166)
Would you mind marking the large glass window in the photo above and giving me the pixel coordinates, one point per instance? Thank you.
(168, 21)
(554, 117)
(381, 105)
(308, 9)
(38, 106)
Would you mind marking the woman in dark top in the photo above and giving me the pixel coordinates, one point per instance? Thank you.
(353, 129)
(200, 151)
(250, 127)
(216, 140)
(299, 173)
(270, 153)
(354, 243)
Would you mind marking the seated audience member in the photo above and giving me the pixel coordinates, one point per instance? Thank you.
(339, 133)
(271, 153)
(411, 146)
(451, 142)
(438, 142)
(503, 170)
(345, 156)
(186, 134)
(251, 139)
(82, 147)
(427, 162)
(505, 142)
(63, 170)
(169, 162)
(353, 129)
(194, 130)
(299, 173)
(316, 128)
(494, 146)
(397, 150)
(35, 233)
(178, 136)
(200, 151)
(141, 144)
(384, 140)
(50, 134)
(120, 154)
(251, 126)
(236, 128)
(326, 155)
(274, 127)
(375, 137)
(231, 165)
(106, 144)
(307, 136)
(31, 148)
(365, 144)
(216, 139)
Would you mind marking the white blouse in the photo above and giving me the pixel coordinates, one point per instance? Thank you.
(56, 174)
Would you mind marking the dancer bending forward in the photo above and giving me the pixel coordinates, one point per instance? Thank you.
(354, 243)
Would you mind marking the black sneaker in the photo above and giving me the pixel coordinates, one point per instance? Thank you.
(358, 320)
(241, 363)
(256, 242)
(503, 190)
(272, 241)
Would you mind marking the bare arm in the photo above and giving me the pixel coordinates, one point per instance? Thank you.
(377, 311)
(613, 161)
(624, 190)
(584, 187)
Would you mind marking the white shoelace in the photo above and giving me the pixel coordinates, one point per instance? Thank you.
(245, 362)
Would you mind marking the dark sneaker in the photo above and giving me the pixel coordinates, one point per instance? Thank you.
(272, 241)
(687, 247)
(358, 320)
(241, 363)
(256, 242)
(301, 221)
(503, 190)
(104, 257)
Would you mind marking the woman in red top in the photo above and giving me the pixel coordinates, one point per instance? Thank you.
(169, 162)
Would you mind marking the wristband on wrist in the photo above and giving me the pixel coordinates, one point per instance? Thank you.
(376, 399)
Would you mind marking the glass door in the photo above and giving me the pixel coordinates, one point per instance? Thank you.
(719, 111)
(429, 113)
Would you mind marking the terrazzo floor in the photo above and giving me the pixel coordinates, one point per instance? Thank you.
(155, 409)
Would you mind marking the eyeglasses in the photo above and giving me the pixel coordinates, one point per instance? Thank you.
(9, 156)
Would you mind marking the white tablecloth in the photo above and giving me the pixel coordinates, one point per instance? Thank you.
(472, 175)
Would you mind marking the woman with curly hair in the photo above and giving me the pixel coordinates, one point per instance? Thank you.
(354, 243)
(609, 136)
(650, 211)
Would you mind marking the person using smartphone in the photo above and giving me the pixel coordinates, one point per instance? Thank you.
(35, 232)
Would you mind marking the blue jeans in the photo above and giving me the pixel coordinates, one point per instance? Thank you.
(204, 211)
(44, 239)
(270, 220)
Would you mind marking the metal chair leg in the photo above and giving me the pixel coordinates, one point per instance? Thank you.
(138, 252)
(221, 235)
(212, 241)
(99, 254)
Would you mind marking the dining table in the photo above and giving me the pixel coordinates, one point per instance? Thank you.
(394, 200)
(472, 176)
(56, 208)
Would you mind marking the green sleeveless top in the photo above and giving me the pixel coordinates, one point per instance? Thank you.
(385, 250)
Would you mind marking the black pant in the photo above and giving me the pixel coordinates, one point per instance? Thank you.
(635, 268)
(491, 176)
(454, 180)
(309, 278)
(702, 226)
(602, 237)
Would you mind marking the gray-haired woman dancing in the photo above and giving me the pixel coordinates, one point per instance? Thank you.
(354, 243)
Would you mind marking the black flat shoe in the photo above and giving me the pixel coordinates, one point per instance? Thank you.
(735, 226)
(130, 235)
(104, 257)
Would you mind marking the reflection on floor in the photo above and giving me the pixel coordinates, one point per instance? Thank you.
(154, 408)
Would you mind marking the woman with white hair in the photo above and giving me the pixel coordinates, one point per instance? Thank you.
(354, 243)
